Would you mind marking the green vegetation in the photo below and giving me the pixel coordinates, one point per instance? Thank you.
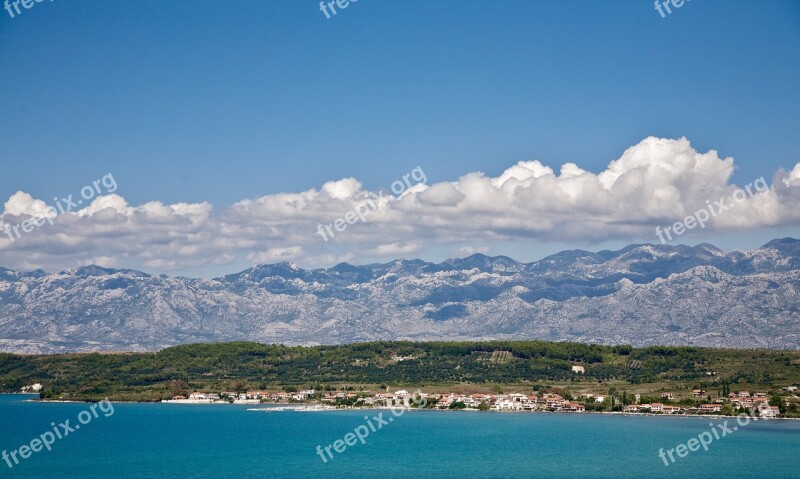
(490, 366)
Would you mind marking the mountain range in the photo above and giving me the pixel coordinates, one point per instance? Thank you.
(641, 295)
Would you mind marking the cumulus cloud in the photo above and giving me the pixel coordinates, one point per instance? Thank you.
(793, 178)
(344, 188)
(21, 203)
(654, 183)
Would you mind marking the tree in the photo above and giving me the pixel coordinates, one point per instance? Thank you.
(623, 349)
(238, 386)
(179, 388)
(777, 401)
(727, 410)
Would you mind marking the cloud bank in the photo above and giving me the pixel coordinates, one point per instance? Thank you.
(654, 183)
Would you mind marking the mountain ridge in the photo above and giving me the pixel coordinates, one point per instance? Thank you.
(642, 294)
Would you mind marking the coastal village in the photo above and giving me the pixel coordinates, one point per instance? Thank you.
(756, 403)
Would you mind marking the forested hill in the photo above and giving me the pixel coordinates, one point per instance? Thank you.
(241, 365)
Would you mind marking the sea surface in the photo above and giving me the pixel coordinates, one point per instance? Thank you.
(214, 441)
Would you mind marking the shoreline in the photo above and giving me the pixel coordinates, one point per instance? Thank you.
(312, 408)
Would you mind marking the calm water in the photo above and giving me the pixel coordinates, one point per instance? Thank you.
(207, 441)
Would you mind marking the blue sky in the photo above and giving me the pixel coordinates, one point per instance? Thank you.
(209, 101)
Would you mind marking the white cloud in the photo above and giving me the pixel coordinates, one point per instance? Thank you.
(21, 203)
(330, 259)
(522, 171)
(118, 204)
(394, 249)
(344, 188)
(654, 183)
(441, 194)
(465, 251)
(275, 255)
(793, 178)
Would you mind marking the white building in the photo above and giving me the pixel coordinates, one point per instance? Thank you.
(767, 411)
(507, 405)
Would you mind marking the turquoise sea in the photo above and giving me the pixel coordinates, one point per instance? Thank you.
(213, 441)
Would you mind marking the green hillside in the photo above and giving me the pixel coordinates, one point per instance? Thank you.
(445, 365)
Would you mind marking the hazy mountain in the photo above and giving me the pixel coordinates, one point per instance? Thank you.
(641, 294)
